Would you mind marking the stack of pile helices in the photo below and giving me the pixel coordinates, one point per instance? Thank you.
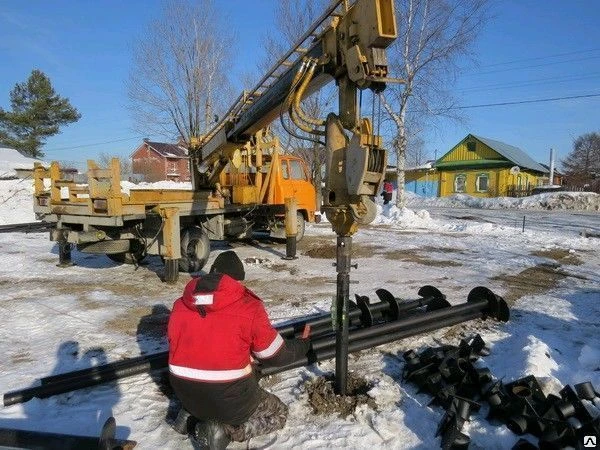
(448, 373)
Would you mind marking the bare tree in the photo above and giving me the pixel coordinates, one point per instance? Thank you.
(416, 154)
(293, 18)
(125, 163)
(582, 164)
(433, 36)
(178, 66)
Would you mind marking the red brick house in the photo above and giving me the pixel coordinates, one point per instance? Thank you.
(158, 161)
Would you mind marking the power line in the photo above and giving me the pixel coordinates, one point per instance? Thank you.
(532, 66)
(521, 102)
(532, 82)
(556, 55)
(516, 102)
(93, 144)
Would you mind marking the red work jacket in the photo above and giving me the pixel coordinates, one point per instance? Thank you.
(214, 329)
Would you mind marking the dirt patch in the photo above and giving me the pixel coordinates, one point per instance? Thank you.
(89, 304)
(560, 255)
(531, 281)
(263, 285)
(323, 399)
(413, 255)
(431, 248)
(323, 247)
(139, 320)
(154, 324)
(24, 357)
(329, 250)
(284, 268)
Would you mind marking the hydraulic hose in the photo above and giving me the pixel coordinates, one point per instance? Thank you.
(300, 93)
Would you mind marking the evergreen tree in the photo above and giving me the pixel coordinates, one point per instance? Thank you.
(37, 113)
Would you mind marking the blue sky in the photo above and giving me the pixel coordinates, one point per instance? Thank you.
(531, 49)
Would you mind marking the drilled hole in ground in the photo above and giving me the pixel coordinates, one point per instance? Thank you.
(324, 401)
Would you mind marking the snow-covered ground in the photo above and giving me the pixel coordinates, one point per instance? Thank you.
(58, 320)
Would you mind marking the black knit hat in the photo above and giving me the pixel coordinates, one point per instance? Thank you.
(228, 263)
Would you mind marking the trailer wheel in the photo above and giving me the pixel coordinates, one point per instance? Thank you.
(279, 232)
(195, 248)
(136, 254)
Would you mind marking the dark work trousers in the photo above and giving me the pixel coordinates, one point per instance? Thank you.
(270, 415)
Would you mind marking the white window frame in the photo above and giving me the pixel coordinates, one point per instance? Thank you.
(456, 177)
(479, 177)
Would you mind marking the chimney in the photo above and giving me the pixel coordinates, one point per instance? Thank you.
(551, 181)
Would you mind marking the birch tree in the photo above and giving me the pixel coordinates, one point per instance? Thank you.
(433, 37)
(179, 71)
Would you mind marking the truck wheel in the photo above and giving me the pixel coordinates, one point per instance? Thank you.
(136, 254)
(195, 248)
(279, 233)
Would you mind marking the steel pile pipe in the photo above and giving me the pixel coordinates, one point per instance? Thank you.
(321, 324)
(88, 377)
(328, 352)
(16, 438)
(124, 368)
(481, 303)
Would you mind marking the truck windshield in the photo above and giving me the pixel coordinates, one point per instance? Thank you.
(297, 170)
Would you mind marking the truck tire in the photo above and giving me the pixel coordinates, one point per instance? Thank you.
(136, 254)
(195, 248)
(279, 233)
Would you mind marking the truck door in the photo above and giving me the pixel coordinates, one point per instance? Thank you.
(303, 189)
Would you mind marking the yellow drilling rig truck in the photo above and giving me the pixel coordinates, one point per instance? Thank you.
(239, 177)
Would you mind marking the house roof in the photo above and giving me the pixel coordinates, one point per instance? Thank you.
(556, 171)
(168, 150)
(11, 159)
(512, 153)
(426, 166)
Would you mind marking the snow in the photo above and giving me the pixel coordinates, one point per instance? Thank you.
(58, 320)
(127, 186)
(11, 159)
(552, 200)
(16, 201)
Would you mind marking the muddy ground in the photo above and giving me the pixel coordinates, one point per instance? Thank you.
(324, 401)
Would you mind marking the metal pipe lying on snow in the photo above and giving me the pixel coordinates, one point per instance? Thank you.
(321, 325)
(357, 345)
(481, 303)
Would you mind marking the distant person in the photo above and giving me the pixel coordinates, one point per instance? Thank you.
(214, 330)
(388, 189)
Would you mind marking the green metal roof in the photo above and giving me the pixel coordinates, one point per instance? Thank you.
(512, 153)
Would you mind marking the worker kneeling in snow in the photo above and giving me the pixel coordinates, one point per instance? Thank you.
(213, 330)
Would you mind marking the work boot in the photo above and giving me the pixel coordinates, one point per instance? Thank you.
(211, 435)
(181, 424)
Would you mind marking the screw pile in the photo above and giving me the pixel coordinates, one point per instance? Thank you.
(448, 374)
